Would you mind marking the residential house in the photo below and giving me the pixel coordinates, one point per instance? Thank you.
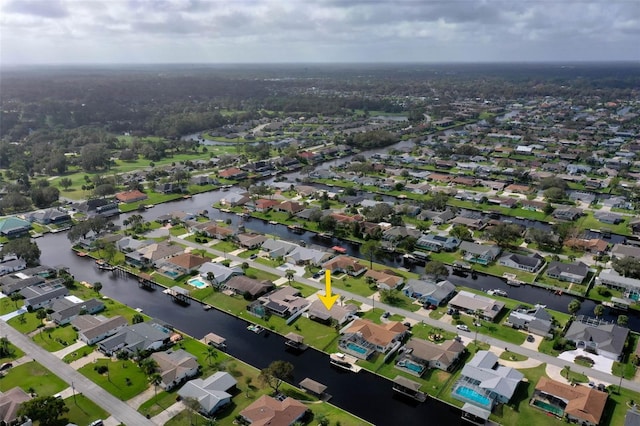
(599, 337)
(364, 337)
(530, 263)
(384, 280)
(583, 405)
(92, 329)
(620, 251)
(181, 264)
(234, 199)
(536, 206)
(14, 264)
(612, 279)
(617, 203)
(202, 180)
(248, 287)
(212, 393)
(52, 216)
(129, 244)
(41, 295)
(307, 256)
(66, 309)
(475, 224)
(632, 418)
(290, 207)
(278, 248)
(251, 241)
(345, 264)
(397, 233)
(267, 410)
(339, 313)
(284, 302)
(15, 282)
(419, 355)
(438, 218)
(484, 382)
(536, 320)
(217, 274)
(131, 196)
(428, 292)
(144, 336)
(10, 403)
(263, 205)
(478, 253)
(151, 254)
(567, 213)
(12, 227)
(571, 272)
(170, 187)
(437, 243)
(232, 173)
(593, 245)
(609, 218)
(175, 367)
(472, 303)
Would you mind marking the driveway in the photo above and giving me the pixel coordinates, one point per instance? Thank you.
(601, 363)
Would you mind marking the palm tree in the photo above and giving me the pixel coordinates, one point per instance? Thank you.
(476, 315)
(289, 274)
(598, 310)
(211, 353)
(155, 379)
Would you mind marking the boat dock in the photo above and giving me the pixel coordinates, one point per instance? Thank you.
(295, 341)
(215, 341)
(346, 362)
(409, 388)
(317, 389)
(179, 295)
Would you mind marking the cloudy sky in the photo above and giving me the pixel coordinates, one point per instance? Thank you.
(234, 31)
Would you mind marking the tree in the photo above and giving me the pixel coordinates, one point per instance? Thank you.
(437, 269)
(598, 310)
(461, 232)
(41, 314)
(289, 274)
(6, 350)
(97, 286)
(24, 248)
(503, 234)
(627, 266)
(149, 366)
(370, 249)
(211, 353)
(574, 306)
(137, 318)
(45, 409)
(623, 320)
(276, 373)
(15, 296)
(155, 379)
(65, 183)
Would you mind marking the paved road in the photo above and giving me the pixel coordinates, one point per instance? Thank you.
(531, 353)
(118, 409)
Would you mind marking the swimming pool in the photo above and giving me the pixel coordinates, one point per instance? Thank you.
(548, 407)
(410, 365)
(474, 396)
(197, 283)
(171, 274)
(356, 348)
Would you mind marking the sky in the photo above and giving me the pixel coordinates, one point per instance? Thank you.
(307, 31)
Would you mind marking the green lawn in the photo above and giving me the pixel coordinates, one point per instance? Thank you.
(78, 353)
(590, 222)
(56, 338)
(32, 375)
(115, 381)
(25, 323)
(225, 246)
(15, 353)
(357, 285)
(155, 406)
(82, 411)
(7, 305)
(512, 356)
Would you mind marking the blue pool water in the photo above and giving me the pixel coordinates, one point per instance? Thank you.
(172, 274)
(413, 366)
(197, 283)
(356, 348)
(473, 396)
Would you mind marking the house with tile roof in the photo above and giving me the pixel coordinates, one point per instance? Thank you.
(175, 367)
(346, 265)
(182, 264)
(212, 393)
(131, 196)
(232, 173)
(471, 303)
(578, 404)
(443, 356)
(384, 280)
(268, 411)
(363, 337)
(10, 403)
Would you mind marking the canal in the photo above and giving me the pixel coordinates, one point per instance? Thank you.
(364, 394)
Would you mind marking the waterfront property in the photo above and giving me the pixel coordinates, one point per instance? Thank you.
(536, 320)
(249, 288)
(578, 404)
(429, 292)
(364, 337)
(92, 329)
(52, 216)
(435, 242)
(383, 279)
(217, 274)
(612, 279)
(528, 263)
(345, 264)
(11, 264)
(175, 367)
(620, 251)
(40, 295)
(151, 254)
(340, 313)
(67, 308)
(472, 303)
(284, 301)
(131, 196)
(180, 264)
(484, 382)
(419, 355)
(212, 393)
(479, 253)
(571, 272)
(599, 337)
(144, 336)
(267, 410)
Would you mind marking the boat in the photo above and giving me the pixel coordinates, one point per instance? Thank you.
(512, 279)
(339, 249)
(255, 328)
(101, 264)
(149, 206)
(497, 292)
(461, 266)
(82, 253)
(186, 197)
(339, 360)
(296, 229)
(325, 236)
(273, 222)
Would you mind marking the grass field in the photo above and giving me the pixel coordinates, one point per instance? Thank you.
(32, 376)
(7, 305)
(25, 323)
(15, 354)
(57, 338)
(115, 381)
(82, 411)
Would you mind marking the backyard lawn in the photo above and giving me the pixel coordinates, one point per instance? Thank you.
(25, 323)
(32, 376)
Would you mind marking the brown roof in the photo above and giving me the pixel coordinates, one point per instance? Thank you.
(343, 262)
(290, 206)
(582, 402)
(243, 284)
(269, 411)
(518, 188)
(230, 172)
(265, 204)
(446, 353)
(380, 335)
(131, 196)
(592, 244)
(384, 278)
(10, 402)
(188, 260)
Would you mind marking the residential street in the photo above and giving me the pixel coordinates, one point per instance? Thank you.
(118, 409)
(523, 350)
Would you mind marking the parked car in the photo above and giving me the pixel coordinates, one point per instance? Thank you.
(5, 366)
(530, 338)
(462, 327)
(386, 315)
(253, 256)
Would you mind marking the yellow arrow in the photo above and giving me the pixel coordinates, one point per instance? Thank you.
(328, 299)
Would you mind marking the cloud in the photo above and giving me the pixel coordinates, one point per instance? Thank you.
(319, 30)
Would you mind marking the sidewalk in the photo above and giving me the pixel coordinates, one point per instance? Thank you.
(142, 397)
(87, 359)
(69, 349)
(169, 413)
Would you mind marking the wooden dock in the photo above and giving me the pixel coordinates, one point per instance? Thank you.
(179, 295)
